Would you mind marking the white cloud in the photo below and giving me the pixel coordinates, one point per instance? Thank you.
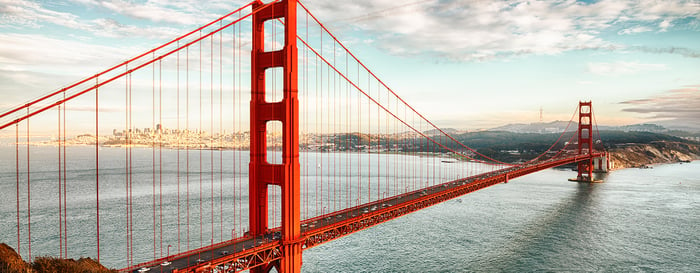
(623, 68)
(28, 52)
(476, 30)
(664, 25)
(455, 30)
(679, 107)
(113, 29)
(633, 30)
(22, 13)
(179, 12)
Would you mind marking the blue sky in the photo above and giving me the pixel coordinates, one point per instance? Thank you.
(463, 64)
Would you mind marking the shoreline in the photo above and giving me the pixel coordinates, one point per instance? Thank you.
(641, 155)
(631, 155)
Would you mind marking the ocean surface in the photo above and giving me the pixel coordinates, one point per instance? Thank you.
(638, 220)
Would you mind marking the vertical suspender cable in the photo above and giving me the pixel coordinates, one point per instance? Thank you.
(233, 127)
(221, 137)
(359, 141)
(65, 183)
(126, 160)
(368, 162)
(240, 113)
(317, 177)
(187, 141)
(97, 162)
(17, 185)
(29, 197)
(211, 136)
(201, 223)
(324, 173)
(348, 192)
(130, 173)
(306, 125)
(179, 134)
(335, 134)
(160, 153)
(60, 195)
(153, 152)
(379, 142)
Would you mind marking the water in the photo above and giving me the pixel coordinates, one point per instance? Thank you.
(204, 195)
(638, 220)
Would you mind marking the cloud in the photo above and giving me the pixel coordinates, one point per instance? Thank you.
(685, 52)
(465, 30)
(633, 30)
(22, 14)
(457, 30)
(178, 12)
(25, 14)
(623, 68)
(31, 84)
(113, 29)
(680, 107)
(35, 52)
(664, 25)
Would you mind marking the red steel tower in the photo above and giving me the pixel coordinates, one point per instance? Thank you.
(585, 141)
(263, 173)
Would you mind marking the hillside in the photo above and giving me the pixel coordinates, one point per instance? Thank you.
(513, 147)
(11, 262)
(639, 155)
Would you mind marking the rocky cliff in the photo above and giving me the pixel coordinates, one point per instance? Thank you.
(638, 155)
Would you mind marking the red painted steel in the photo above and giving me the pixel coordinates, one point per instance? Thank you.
(262, 173)
(585, 140)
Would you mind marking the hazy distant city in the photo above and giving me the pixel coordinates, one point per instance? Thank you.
(196, 139)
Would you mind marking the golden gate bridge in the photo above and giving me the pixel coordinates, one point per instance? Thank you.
(279, 139)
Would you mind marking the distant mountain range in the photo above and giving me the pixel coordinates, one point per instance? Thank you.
(538, 127)
(560, 126)
(435, 132)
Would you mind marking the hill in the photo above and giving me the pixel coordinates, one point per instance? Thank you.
(513, 147)
(11, 262)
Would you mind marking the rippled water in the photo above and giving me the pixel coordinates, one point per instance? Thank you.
(639, 220)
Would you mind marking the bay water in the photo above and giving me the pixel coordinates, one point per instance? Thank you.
(638, 220)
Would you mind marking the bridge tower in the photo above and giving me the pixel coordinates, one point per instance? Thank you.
(585, 141)
(263, 173)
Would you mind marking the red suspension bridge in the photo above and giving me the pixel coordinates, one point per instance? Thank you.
(235, 147)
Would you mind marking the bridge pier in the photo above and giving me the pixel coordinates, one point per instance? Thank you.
(601, 164)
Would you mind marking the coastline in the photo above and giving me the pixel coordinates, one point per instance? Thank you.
(621, 156)
(643, 155)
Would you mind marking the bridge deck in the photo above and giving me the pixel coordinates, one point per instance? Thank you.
(249, 252)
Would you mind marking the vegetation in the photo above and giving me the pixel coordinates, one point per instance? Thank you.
(500, 145)
(511, 147)
(11, 262)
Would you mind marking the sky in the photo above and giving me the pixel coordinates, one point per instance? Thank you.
(463, 64)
